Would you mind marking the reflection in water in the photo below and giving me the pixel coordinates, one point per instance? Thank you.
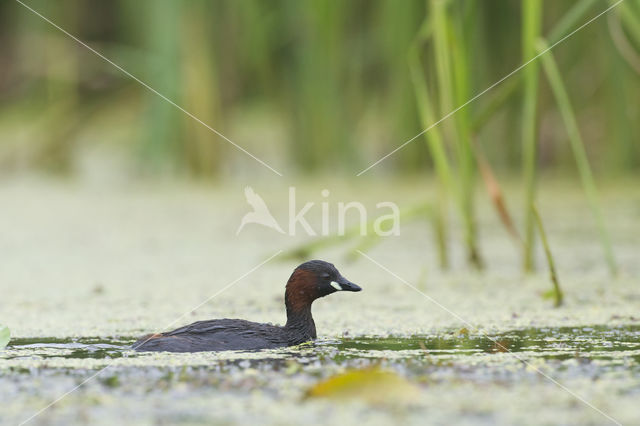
(597, 342)
(80, 348)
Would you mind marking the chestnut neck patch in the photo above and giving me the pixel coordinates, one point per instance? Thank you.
(301, 290)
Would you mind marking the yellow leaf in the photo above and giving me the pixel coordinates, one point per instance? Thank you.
(372, 385)
(462, 332)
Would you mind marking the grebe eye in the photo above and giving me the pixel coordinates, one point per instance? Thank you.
(325, 276)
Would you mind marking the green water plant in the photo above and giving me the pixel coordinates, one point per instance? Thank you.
(531, 23)
(453, 84)
(5, 336)
(630, 19)
(160, 147)
(454, 167)
(435, 143)
(556, 292)
(579, 152)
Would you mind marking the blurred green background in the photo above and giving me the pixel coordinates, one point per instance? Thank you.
(319, 85)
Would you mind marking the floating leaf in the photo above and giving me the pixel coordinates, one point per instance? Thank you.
(501, 346)
(5, 336)
(462, 332)
(372, 385)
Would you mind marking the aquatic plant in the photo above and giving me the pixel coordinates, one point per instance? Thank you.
(579, 152)
(371, 385)
(556, 292)
(310, 70)
(531, 23)
(331, 101)
(5, 336)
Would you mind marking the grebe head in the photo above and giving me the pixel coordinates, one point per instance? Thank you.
(312, 280)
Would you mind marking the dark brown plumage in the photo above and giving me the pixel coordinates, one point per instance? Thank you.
(308, 282)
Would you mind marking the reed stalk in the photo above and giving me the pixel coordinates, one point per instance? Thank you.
(630, 19)
(453, 90)
(200, 87)
(579, 152)
(531, 23)
(161, 149)
(501, 94)
(558, 296)
(466, 161)
(435, 143)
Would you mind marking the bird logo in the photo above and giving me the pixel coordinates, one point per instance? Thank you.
(260, 214)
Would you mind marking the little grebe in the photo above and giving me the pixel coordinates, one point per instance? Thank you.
(309, 281)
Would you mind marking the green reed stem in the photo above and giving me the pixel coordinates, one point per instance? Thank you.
(161, 147)
(557, 292)
(570, 20)
(630, 20)
(501, 94)
(462, 92)
(452, 91)
(435, 144)
(200, 87)
(531, 22)
(579, 152)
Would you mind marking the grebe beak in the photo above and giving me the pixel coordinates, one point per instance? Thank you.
(343, 284)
